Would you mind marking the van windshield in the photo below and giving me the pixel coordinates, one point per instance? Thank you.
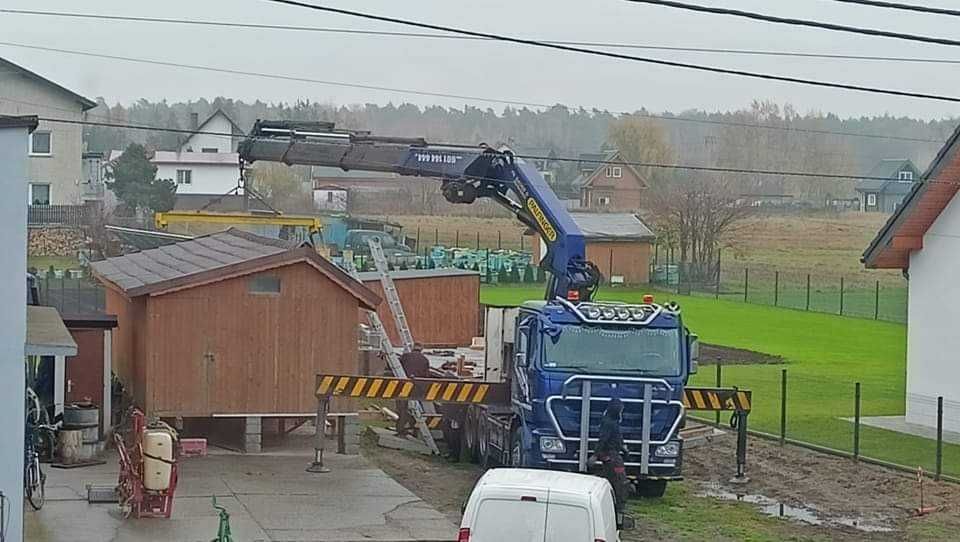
(594, 349)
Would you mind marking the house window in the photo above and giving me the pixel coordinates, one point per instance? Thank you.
(906, 175)
(603, 201)
(210, 149)
(39, 194)
(871, 200)
(329, 197)
(41, 143)
(614, 172)
(184, 176)
(264, 284)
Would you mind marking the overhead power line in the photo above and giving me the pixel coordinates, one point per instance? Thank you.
(905, 7)
(384, 33)
(502, 101)
(620, 56)
(812, 175)
(797, 22)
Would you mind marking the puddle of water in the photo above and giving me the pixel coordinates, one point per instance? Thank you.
(808, 515)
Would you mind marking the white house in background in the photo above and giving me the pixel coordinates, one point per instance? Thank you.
(922, 238)
(206, 161)
(330, 197)
(54, 170)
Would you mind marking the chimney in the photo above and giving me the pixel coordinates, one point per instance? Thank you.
(194, 121)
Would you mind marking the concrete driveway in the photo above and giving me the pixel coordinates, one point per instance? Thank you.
(269, 497)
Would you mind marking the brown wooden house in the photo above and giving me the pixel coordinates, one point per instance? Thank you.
(230, 324)
(442, 306)
(610, 186)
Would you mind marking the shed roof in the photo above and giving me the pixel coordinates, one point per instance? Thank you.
(212, 258)
(904, 231)
(612, 226)
(46, 334)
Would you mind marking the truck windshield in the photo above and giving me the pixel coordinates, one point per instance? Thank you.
(644, 351)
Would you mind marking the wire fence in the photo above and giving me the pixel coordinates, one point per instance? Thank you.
(859, 418)
(845, 295)
(71, 294)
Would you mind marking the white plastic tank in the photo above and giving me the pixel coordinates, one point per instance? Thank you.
(157, 443)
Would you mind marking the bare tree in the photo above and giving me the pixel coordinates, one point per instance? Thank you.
(645, 140)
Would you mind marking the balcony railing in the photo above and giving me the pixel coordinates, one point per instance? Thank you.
(58, 215)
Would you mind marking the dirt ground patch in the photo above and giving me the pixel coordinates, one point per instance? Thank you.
(711, 354)
(841, 493)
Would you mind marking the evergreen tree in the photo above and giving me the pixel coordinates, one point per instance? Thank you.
(133, 178)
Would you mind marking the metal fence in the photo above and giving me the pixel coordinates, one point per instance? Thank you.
(857, 295)
(861, 419)
(58, 215)
(72, 295)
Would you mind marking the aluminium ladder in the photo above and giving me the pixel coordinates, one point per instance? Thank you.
(393, 361)
(390, 291)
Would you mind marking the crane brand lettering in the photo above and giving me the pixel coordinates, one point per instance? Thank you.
(437, 158)
(545, 226)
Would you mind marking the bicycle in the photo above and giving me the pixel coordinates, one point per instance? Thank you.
(34, 479)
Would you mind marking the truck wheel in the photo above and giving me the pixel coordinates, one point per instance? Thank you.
(483, 446)
(651, 489)
(517, 457)
(470, 437)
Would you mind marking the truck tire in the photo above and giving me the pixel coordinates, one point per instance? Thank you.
(470, 447)
(483, 444)
(651, 489)
(517, 458)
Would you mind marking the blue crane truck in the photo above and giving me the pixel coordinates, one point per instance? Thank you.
(562, 358)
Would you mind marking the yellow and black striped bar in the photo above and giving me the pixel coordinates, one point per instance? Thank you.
(420, 389)
(717, 399)
(433, 420)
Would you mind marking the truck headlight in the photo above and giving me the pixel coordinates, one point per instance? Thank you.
(670, 449)
(552, 445)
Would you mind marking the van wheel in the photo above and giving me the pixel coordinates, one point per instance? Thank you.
(517, 457)
(651, 489)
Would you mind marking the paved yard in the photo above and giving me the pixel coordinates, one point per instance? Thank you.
(269, 497)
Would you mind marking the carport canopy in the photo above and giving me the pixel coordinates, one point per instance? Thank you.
(47, 335)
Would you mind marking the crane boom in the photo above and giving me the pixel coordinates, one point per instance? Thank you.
(465, 174)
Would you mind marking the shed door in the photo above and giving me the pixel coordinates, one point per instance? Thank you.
(183, 360)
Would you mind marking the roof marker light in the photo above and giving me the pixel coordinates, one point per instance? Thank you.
(648, 298)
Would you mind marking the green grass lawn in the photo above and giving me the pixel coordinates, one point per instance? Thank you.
(825, 355)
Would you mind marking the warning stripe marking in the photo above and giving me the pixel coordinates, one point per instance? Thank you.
(448, 393)
(481, 393)
(433, 391)
(464, 392)
(374, 387)
(415, 389)
(358, 387)
(391, 387)
(716, 399)
(324, 385)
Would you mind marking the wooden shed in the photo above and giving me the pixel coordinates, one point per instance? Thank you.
(618, 243)
(230, 324)
(441, 305)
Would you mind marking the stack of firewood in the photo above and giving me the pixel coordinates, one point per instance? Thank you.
(55, 241)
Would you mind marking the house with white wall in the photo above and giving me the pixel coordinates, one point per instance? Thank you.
(922, 238)
(206, 161)
(54, 165)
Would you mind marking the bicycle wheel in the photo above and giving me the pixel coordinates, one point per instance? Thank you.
(36, 480)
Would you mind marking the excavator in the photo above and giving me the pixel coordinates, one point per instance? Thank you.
(562, 358)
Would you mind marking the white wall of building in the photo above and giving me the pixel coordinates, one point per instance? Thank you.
(218, 124)
(330, 199)
(13, 323)
(205, 178)
(933, 310)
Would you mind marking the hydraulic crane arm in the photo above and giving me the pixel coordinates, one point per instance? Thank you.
(465, 173)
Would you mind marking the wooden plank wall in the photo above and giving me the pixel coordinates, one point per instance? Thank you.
(128, 343)
(442, 311)
(219, 349)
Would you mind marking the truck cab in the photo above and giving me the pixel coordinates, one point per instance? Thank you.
(569, 355)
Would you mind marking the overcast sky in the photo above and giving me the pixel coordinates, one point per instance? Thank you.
(495, 70)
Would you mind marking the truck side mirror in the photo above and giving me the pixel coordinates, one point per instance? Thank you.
(693, 342)
(520, 359)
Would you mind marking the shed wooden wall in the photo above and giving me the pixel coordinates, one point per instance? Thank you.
(442, 311)
(129, 342)
(631, 259)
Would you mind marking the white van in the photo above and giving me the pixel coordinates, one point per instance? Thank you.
(528, 505)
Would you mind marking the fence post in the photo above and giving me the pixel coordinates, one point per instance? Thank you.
(478, 239)
(521, 242)
(808, 291)
(456, 242)
(719, 382)
(783, 407)
(776, 288)
(841, 296)
(499, 241)
(876, 302)
(856, 422)
(718, 277)
(746, 283)
(939, 470)
(436, 236)
(418, 237)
